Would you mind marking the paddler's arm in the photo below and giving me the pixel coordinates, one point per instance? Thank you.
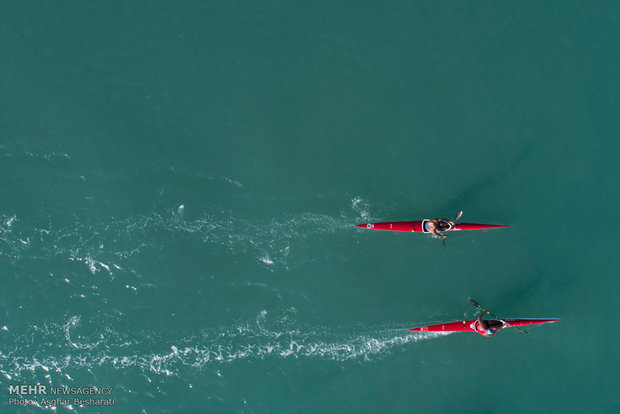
(496, 330)
(435, 233)
(504, 324)
(499, 328)
(434, 229)
(479, 324)
(451, 225)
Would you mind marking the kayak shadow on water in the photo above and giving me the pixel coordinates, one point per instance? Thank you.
(529, 293)
(463, 198)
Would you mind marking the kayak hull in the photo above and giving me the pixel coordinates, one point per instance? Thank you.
(417, 226)
(468, 326)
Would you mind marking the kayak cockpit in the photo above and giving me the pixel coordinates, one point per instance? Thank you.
(426, 230)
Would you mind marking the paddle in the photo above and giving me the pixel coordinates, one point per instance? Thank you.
(476, 304)
(458, 216)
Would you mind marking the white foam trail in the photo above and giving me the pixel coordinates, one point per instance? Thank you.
(244, 342)
(265, 259)
(9, 222)
(231, 181)
(361, 207)
(273, 240)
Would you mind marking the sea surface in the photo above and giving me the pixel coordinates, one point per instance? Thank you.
(179, 185)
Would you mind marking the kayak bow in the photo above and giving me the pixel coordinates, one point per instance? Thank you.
(468, 326)
(418, 226)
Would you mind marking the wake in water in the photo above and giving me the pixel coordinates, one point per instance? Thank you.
(108, 246)
(56, 349)
(114, 247)
(361, 207)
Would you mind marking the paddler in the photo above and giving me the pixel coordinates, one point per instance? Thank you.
(488, 327)
(438, 225)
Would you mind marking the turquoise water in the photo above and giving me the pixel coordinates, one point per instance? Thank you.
(179, 186)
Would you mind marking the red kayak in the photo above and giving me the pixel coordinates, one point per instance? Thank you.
(419, 226)
(468, 326)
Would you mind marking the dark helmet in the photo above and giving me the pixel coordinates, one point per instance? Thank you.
(443, 225)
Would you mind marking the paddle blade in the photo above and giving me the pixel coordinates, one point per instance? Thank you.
(473, 302)
(458, 216)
